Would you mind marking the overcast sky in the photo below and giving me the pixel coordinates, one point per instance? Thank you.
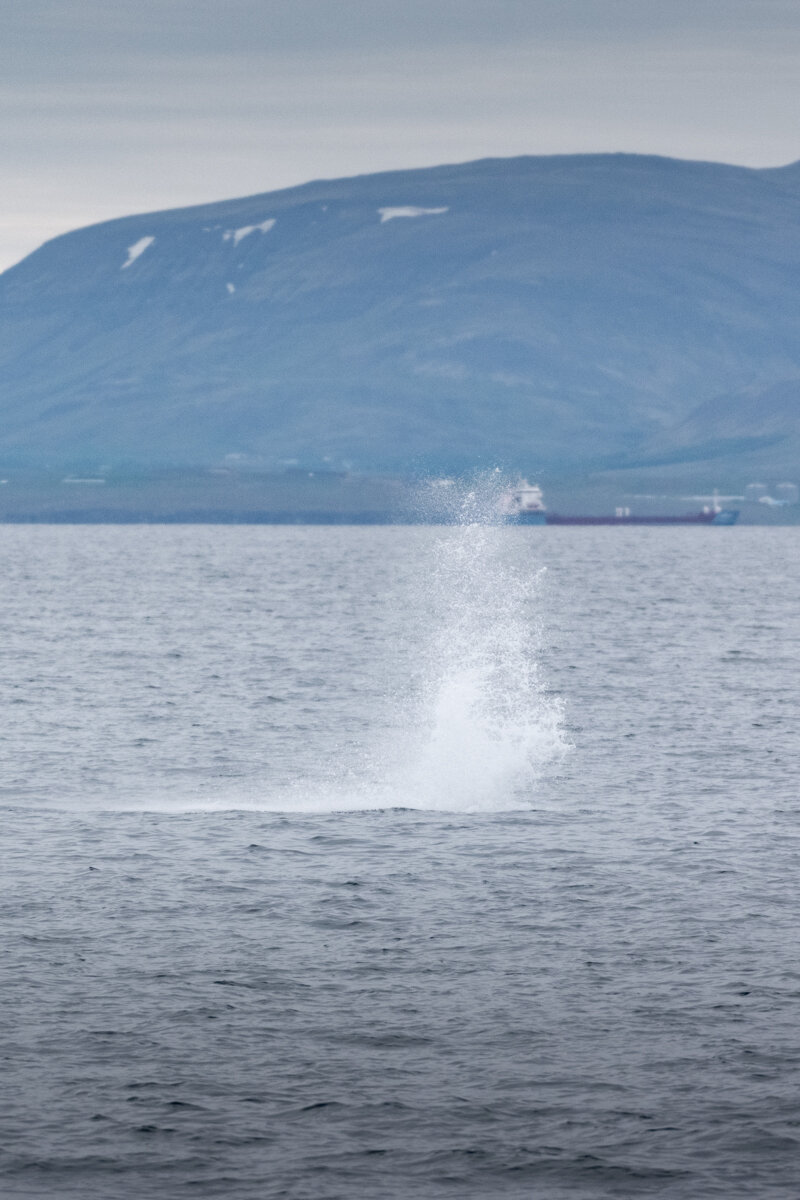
(112, 107)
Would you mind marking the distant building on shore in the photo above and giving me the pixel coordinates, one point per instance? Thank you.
(785, 493)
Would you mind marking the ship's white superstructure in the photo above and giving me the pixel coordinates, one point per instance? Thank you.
(525, 499)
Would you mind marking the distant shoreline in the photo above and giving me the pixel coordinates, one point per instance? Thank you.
(213, 497)
(288, 519)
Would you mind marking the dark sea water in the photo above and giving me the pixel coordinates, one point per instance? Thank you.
(389, 862)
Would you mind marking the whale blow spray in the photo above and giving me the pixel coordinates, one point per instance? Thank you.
(484, 726)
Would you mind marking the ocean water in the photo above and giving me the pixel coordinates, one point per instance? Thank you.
(399, 862)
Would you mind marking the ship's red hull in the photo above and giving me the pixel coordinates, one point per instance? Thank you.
(726, 517)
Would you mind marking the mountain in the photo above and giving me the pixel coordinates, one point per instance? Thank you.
(570, 313)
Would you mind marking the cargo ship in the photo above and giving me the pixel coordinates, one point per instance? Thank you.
(524, 505)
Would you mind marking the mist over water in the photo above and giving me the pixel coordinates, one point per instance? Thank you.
(466, 723)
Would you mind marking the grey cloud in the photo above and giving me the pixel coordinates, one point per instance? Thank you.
(111, 108)
(40, 28)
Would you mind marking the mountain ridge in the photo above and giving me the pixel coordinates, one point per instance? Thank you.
(569, 312)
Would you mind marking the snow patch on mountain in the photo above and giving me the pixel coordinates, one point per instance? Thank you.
(236, 235)
(136, 250)
(409, 210)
